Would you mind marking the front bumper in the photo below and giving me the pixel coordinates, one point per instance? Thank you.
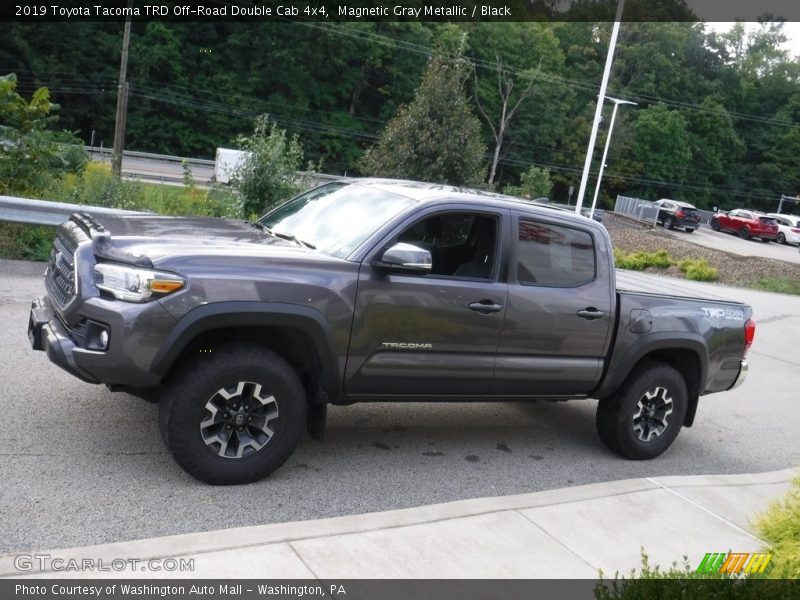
(47, 333)
(136, 333)
(743, 369)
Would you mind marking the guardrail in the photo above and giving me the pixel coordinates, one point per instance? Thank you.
(151, 156)
(45, 212)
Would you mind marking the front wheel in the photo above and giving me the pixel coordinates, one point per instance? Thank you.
(234, 415)
(643, 418)
(781, 238)
(714, 224)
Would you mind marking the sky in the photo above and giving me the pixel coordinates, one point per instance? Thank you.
(792, 30)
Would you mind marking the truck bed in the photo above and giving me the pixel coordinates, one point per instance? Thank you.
(644, 283)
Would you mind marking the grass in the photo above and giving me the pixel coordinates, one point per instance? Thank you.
(781, 285)
(695, 269)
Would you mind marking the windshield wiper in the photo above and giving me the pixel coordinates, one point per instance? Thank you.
(283, 236)
(293, 238)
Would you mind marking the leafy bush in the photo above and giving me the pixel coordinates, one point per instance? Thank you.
(698, 270)
(25, 242)
(268, 173)
(534, 183)
(639, 261)
(780, 526)
(32, 154)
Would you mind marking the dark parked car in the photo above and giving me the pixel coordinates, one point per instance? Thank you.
(674, 213)
(747, 224)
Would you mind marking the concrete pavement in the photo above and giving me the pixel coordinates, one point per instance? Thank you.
(566, 533)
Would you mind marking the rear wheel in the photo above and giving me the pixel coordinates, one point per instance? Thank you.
(714, 224)
(668, 223)
(233, 416)
(643, 418)
(744, 233)
(781, 238)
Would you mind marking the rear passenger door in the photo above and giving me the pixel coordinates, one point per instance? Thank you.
(559, 311)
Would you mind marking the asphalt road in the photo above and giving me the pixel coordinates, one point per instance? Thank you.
(733, 244)
(81, 466)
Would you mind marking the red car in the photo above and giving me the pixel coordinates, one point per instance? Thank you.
(746, 223)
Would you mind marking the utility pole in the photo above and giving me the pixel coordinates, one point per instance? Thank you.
(616, 102)
(598, 113)
(122, 99)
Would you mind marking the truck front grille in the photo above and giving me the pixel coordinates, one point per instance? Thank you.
(60, 277)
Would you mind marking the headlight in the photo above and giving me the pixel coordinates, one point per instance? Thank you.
(135, 285)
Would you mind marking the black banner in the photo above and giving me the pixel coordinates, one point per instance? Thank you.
(395, 10)
(403, 589)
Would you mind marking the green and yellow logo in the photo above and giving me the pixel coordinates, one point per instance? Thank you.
(734, 563)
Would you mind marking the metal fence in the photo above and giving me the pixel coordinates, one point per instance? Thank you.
(636, 208)
(44, 212)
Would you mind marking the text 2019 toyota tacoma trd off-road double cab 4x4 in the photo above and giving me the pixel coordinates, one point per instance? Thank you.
(373, 290)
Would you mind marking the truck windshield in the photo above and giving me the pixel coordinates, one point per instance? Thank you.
(335, 218)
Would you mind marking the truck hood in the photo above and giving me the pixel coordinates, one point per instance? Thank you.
(158, 241)
(198, 229)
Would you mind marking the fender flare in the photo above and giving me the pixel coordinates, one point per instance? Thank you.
(221, 315)
(667, 340)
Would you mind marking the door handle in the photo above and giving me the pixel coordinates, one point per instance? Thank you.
(486, 307)
(591, 313)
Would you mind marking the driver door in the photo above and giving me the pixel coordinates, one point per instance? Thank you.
(432, 334)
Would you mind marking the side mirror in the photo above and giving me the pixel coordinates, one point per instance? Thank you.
(405, 258)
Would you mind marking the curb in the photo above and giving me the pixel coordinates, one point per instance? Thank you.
(259, 535)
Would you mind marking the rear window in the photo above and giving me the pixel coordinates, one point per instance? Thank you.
(767, 220)
(554, 256)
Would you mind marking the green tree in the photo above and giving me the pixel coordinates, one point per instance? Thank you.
(534, 183)
(436, 137)
(268, 173)
(33, 156)
(662, 147)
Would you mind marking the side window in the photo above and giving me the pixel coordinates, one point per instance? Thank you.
(461, 244)
(554, 255)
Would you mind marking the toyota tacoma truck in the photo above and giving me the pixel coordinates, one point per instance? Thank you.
(373, 290)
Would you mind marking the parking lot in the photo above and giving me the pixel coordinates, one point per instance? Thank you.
(81, 465)
(705, 236)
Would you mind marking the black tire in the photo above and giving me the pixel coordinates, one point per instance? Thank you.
(689, 230)
(242, 376)
(714, 224)
(668, 223)
(744, 233)
(781, 238)
(651, 382)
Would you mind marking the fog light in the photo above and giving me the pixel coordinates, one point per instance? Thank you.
(97, 337)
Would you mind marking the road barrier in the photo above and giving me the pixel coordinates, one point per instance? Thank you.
(45, 212)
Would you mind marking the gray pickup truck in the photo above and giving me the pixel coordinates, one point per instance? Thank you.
(373, 290)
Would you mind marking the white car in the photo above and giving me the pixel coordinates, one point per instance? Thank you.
(788, 228)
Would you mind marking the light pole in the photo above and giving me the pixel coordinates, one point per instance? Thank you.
(612, 44)
(616, 102)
